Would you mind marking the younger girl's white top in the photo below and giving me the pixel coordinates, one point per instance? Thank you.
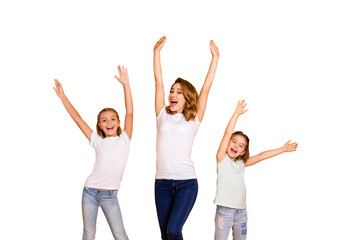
(111, 158)
(175, 137)
(230, 191)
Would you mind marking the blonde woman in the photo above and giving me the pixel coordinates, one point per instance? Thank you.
(176, 185)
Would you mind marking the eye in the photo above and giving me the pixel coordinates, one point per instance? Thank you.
(171, 91)
(179, 92)
(104, 120)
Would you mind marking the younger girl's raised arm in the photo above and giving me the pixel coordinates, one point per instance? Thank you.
(72, 111)
(288, 147)
(204, 93)
(124, 80)
(159, 85)
(240, 109)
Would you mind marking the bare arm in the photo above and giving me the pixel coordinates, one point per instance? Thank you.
(204, 93)
(124, 80)
(240, 109)
(72, 111)
(288, 147)
(159, 85)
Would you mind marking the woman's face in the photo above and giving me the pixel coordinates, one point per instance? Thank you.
(176, 99)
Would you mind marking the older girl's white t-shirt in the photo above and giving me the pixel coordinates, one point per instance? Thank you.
(111, 158)
(175, 137)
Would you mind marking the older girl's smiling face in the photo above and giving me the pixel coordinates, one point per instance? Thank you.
(109, 123)
(176, 99)
(236, 147)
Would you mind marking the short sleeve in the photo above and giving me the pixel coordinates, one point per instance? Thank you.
(125, 137)
(95, 138)
(161, 113)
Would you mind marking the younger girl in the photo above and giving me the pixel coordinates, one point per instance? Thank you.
(176, 184)
(232, 157)
(111, 146)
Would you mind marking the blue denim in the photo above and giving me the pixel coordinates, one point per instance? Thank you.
(174, 201)
(91, 200)
(227, 218)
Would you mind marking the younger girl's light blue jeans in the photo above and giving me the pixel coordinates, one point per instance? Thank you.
(230, 218)
(91, 200)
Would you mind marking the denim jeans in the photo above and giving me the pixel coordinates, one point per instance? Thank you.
(91, 200)
(227, 218)
(174, 201)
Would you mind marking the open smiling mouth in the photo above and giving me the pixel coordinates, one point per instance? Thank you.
(173, 103)
(234, 150)
(109, 128)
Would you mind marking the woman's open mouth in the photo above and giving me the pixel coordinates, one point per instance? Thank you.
(173, 103)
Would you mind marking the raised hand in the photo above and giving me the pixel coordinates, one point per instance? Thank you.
(290, 147)
(123, 75)
(214, 50)
(159, 44)
(58, 88)
(240, 109)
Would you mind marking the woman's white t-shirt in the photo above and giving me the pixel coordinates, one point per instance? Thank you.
(111, 158)
(175, 137)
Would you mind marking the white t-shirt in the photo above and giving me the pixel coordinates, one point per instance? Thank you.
(175, 137)
(230, 191)
(111, 157)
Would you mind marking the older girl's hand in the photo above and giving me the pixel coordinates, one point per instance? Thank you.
(123, 75)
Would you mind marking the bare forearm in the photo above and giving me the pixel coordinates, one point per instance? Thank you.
(231, 125)
(70, 108)
(128, 99)
(210, 75)
(157, 69)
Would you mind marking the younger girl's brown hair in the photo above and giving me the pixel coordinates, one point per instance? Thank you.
(191, 97)
(98, 129)
(246, 155)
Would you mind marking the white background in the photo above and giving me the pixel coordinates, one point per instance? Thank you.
(295, 62)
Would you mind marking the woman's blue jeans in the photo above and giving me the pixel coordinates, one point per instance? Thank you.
(91, 200)
(174, 201)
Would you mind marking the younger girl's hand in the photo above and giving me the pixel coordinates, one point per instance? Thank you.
(214, 50)
(240, 109)
(290, 147)
(159, 44)
(123, 75)
(58, 88)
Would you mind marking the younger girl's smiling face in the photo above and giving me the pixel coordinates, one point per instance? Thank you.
(109, 123)
(236, 147)
(176, 99)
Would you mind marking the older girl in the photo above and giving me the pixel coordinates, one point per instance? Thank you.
(232, 157)
(111, 146)
(176, 184)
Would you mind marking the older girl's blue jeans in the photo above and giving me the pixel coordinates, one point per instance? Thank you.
(230, 218)
(91, 200)
(174, 201)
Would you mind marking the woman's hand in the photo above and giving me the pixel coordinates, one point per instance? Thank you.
(58, 89)
(290, 147)
(214, 50)
(123, 75)
(159, 44)
(240, 109)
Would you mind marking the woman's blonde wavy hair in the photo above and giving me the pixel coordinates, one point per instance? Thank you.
(98, 129)
(191, 97)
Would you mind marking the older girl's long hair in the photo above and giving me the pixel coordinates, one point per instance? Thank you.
(246, 155)
(191, 97)
(98, 129)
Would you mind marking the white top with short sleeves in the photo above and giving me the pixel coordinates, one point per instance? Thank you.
(111, 158)
(175, 137)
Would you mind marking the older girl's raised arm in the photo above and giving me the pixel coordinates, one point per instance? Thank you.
(124, 80)
(72, 111)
